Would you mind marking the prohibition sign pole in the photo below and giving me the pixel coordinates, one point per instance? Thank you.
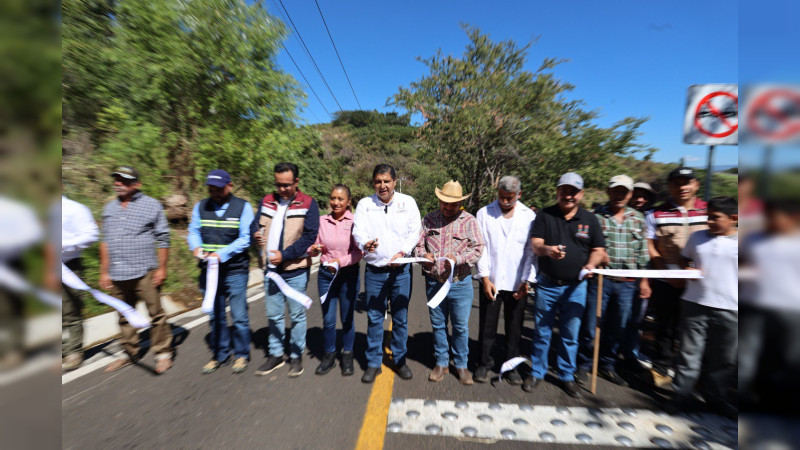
(712, 119)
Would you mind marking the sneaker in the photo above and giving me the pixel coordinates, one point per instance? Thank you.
(295, 367)
(273, 362)
(327, 363)
(239, 365)
(481, 374)
(513, 378)
(612, 376)
(210, 367)
(347, 364)
(581, 375)
(72, 362)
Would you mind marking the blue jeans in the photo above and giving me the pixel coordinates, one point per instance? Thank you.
(456, 306)
(276, 302)
(616, 313)
(395, 286)
(569, 301)
(630, 345)
(233, 286)
(343, 291)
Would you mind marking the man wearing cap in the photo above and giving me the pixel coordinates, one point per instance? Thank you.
(567, 239)
(133, 264)
(623, 230)
(454, 234)
(386, 227)
(220, 228)
(643, 197)
(506, 268)
(288, 225)
(669, 226)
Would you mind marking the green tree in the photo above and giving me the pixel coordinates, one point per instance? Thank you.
(485, 116)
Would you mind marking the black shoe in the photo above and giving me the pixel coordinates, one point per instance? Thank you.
(572, 389)
(404, 372)
(481, 374)
(328, 362)
(273, 362)
(370, 374)
(530, 384)
(612, 376)
(675, 405)
(347, 364)
(295, 367)
(512, 377)
(581, 375)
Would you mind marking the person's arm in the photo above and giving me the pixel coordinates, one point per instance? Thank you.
(89, 232)
(414, 228)
(105, 278)
(642, 261)
(360, 231)
(538, 232)
(194, 239)
(310, 232)
(597, 241)
(241, 243)
(483, 268)
(419, 248)
(475, 245)
(162, 244)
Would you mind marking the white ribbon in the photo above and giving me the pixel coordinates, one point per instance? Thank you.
(16, 283)
(212, 278)
(289, 291)
(136, 320)
(335, 265)
(511, 364)
(445, 289)
(624, 273)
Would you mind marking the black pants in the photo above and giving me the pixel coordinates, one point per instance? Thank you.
(667, 300)
(513, 310)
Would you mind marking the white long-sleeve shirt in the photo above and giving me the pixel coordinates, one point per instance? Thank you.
(78, 229)
(396, 225)
(508, 258)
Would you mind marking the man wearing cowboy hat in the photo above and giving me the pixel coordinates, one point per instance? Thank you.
(451, 233)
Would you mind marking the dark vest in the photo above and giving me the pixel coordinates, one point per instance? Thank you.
(219, 232)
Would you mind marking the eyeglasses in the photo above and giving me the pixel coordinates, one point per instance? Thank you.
(284, 185)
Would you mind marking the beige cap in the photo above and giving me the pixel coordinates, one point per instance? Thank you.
(621, 180)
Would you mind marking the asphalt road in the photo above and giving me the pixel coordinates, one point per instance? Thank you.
(134, 408)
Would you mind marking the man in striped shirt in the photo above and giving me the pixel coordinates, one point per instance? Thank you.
(669, 226)
(623, 229)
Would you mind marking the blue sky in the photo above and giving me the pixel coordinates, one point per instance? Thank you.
(634, 58)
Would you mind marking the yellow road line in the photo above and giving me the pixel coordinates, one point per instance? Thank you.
(373, 429)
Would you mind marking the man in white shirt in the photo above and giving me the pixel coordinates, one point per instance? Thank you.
(78, 232)
(386, 227)
(505, 269)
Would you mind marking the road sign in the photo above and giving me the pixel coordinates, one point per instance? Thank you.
(712, 115)
(772, 114)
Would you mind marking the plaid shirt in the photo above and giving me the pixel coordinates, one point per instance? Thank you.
(460, 238)
(625, 243)
(132, 235)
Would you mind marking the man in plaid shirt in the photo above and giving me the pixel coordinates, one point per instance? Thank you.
(452, 233)
(624, 232)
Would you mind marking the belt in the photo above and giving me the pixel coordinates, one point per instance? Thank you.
(618, 279)
(558, 281)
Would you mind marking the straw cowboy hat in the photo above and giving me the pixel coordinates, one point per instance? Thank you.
(451, 192)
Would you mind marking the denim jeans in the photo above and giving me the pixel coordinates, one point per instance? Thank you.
(569, 302)
(456, 306)
(343, 291)
(381, 285)
(616, 313)
(233, 287)
(630, 343)
(276, 302)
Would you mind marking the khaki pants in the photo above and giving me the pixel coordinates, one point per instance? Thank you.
(71, 320)
(131, 291)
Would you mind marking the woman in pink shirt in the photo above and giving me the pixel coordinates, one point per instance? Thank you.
(335, 243)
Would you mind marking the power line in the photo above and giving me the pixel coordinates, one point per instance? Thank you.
(308, 52)
(337, 54)
(306, 80)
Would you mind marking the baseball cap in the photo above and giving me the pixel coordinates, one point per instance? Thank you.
(126, 172)
(686, 172)
(645, 186)
(218, 178)
(572, 179)
(621, 180)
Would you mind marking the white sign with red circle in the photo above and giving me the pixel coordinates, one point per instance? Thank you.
(771, 114)
(712, 115)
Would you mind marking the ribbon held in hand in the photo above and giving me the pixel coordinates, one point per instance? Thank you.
(16, 283)
(289, 291)
(136, 320)
(335, 265)
(212, 278)
(442, 293)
